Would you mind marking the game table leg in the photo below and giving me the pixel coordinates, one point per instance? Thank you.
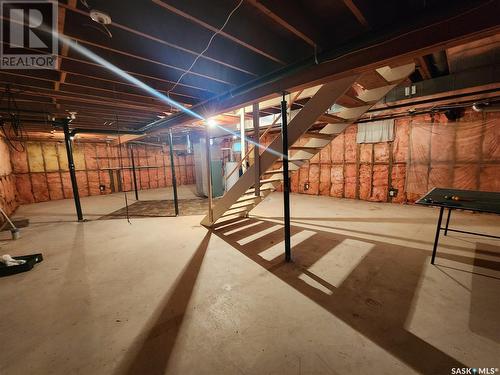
(438, 229)
(447, 222)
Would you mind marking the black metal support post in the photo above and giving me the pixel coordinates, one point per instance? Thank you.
(133, 172)
(172, 166)
(71, 167)
(447, 222)
(438, 230)
(286, 179)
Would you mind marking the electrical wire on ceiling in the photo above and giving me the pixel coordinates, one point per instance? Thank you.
(206, 48)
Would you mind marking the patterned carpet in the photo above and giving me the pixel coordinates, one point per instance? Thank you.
(160, 208)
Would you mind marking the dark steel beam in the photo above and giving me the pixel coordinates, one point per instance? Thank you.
(172, 168)
(286, 179)
(133, 172)
(71, 167)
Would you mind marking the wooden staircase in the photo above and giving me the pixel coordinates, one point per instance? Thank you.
(354, 94)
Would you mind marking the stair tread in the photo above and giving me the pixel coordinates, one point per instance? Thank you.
(273, 171)
(305, 148)
(240, 205)
(291, 160)
(243, 199)
(319, 135)
(353, 103)
(229, 213)
(269, 180)
(252, 190)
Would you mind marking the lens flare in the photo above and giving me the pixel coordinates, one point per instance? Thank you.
(119, 72)
(113, 68)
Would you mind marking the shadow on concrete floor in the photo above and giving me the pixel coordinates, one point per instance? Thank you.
(371, 233)
(151, 352)
(375, 298)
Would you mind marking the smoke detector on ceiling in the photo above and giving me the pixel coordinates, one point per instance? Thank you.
(100, 17)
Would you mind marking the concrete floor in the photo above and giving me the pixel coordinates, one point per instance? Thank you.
(164, 295)
(97, 206)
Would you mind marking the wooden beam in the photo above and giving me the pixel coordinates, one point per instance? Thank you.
(280, 21)
(98, 110)
(126, 71)
(395, 47)
(137, 57)
(117, 92)
(214, 29)
(161, 41)
(158, 106)
(357, 13)
(99, 100)
(64, 52)
(423, 67)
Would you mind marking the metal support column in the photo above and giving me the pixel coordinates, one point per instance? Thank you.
(438, 231)
(447, 222)
(286, 179)
(256, 150)
(172, 166)
(209, 176)
(133, 172)
(71, 167)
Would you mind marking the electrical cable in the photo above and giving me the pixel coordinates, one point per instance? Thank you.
(206, 48)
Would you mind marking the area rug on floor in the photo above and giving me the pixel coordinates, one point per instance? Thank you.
(160, 208)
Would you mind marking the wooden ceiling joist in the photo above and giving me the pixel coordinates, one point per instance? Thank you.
(280, 21)
(137, 57)
(135, 74)
(115, 92)
(193, 19)
(423, 68)
(98, 110)
(161, 41)
(34, 90)
(80, 99)
(357, 13)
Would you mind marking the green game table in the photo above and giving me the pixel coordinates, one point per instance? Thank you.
(469, 200)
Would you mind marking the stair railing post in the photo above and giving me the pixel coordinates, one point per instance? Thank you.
(286, 180)
(242, 140)
(256, 153)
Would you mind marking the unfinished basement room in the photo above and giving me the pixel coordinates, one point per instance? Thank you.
(250, 187)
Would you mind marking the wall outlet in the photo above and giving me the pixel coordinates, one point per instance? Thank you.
(393, 192)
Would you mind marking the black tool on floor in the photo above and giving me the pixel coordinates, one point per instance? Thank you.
(31, 260)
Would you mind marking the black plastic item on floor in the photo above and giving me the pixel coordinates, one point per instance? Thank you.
(31, 260)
